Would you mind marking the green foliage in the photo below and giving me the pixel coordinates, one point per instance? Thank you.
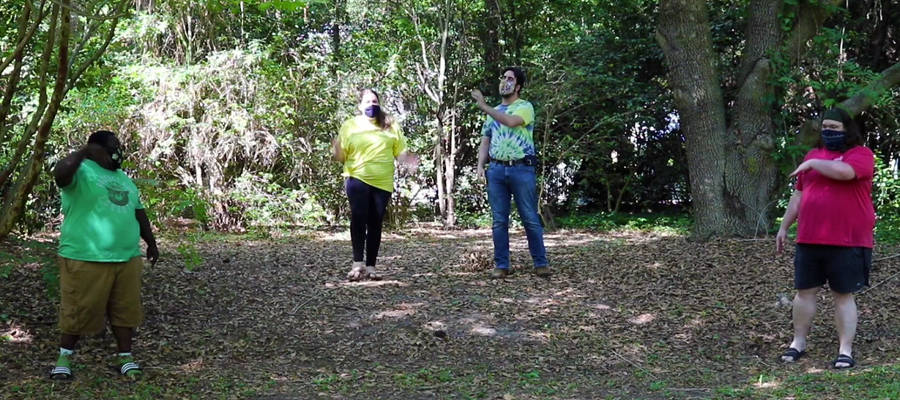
(227, 108)
(190, 253)
(50, 276)
(659, 223)
(886, 197)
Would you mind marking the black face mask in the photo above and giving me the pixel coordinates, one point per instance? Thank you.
(372, 111)
(834, 140)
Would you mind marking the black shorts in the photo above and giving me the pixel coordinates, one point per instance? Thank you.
(846, 269)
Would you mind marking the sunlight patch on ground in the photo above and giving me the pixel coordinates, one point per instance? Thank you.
(693, 323)
(767, 385)
(542, 337)
(336, 236)
(482, 330)
(403, 310)
(192, 366)
(542, 302)
(32, 266)
(642, 319)
(332, 285)
(16, 334)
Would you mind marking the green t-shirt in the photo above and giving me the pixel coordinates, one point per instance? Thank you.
(370, 151)
(99, 223)
(511, 143)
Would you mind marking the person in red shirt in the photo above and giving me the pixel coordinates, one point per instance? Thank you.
(832, 203)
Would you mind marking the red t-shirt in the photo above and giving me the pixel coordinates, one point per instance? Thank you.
(835, 212)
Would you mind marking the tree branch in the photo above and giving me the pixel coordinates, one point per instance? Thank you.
(810, 19)
(73, 78)
(857, 103)
(31, 128)
(25, 38)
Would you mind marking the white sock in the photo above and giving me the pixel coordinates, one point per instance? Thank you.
(125, 354)
(65, 352)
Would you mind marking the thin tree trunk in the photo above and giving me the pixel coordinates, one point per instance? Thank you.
(14, 204)
(32, 126)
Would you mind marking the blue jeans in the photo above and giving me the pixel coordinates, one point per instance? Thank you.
(520, 183)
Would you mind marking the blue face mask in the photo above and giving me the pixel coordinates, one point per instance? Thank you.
(372, 111)
(834, 140)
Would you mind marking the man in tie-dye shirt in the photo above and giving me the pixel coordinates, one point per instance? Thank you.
(508, 143)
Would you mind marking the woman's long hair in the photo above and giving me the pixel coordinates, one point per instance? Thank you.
(382, 120)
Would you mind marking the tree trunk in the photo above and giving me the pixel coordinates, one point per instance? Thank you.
(750, 169)
(14, 202)
(685, 39)
(732, 170)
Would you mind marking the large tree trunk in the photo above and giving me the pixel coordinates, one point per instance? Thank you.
(750, 168)
(686, 41)
(732, 169)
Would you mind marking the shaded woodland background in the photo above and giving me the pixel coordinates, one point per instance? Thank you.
(227, 107)
(655, 120)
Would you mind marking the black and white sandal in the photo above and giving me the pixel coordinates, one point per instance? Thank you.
(130, 369)
(61, 373)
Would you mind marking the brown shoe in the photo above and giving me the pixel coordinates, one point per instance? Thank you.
(543, 272)
(499, 273)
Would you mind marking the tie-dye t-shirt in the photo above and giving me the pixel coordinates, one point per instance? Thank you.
(511, 143)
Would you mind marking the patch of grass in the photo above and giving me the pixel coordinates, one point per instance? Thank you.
(423, 377)
(325, 382)
(881, 382)
(604, 221)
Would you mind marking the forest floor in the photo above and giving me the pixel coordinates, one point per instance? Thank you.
(626, 315)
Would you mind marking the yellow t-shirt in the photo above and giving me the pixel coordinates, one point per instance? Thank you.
(370, 151)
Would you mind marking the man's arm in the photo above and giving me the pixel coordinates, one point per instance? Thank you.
(147, 235)
(501, 117)
(509, 120)
(483, 150)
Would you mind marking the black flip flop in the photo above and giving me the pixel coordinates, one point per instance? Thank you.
(794, 354)
(843, 358)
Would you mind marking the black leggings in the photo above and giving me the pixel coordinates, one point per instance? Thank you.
(368, 205)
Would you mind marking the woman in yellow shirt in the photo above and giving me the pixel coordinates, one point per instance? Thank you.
(368, 144)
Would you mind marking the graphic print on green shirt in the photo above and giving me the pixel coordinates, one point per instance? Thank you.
(99, 223)
(511, 143)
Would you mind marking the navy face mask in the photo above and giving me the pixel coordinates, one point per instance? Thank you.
(833, 140)
(372, 111)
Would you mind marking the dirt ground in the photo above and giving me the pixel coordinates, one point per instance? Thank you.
(625, 315)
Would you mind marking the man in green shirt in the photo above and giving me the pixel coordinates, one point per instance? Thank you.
(99, 251)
